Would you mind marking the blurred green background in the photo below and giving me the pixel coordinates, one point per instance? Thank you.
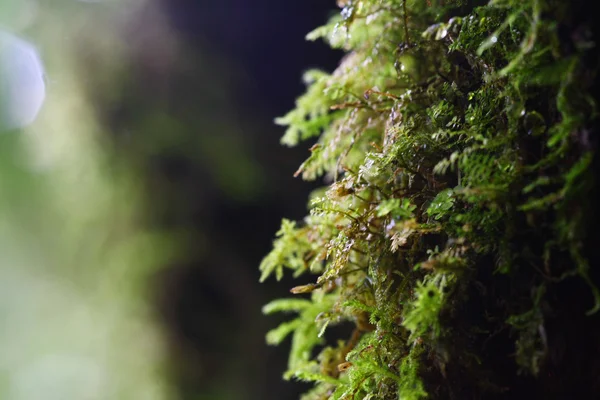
(137, 204)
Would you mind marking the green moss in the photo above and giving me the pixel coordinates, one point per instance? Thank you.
(450, 139)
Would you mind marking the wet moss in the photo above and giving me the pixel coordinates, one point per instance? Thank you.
(455, 143)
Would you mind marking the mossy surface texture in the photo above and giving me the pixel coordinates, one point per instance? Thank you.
(450, 254)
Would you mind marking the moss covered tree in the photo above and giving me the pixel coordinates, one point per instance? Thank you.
(450, 254)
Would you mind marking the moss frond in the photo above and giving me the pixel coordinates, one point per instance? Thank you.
(454, 141)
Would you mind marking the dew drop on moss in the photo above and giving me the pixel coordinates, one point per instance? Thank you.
(534, 123)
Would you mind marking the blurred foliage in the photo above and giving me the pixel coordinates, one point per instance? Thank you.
(136, 141)
(75, 320)
(455, 231)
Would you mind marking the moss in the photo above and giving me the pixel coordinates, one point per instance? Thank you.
(453, 230)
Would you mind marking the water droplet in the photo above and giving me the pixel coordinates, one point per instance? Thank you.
(494, 39)
(347, 12)
(534, 123)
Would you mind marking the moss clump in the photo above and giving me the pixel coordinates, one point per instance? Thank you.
(454, 233)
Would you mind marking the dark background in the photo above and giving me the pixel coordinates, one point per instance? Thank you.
(244, 62)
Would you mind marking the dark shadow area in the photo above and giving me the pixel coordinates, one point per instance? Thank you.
(219, 177)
